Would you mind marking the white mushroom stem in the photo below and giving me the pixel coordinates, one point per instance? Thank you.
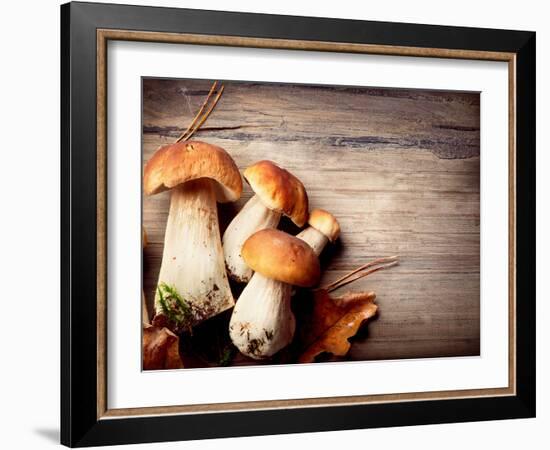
(254, 216)
(192, 261)
(262, 322)
(316, 240)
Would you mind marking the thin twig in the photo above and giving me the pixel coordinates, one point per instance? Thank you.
(335, 286)
(205, 116)
(197, 116)
(363, 267)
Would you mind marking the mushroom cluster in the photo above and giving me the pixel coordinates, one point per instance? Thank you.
(262, 322)
(197, 263)
(193, 283)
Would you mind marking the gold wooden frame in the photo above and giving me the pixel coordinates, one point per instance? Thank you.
(104, 35)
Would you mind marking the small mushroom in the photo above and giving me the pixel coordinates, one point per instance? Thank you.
(277, 192)
(323, 227)
(193, 283)
(262, 322)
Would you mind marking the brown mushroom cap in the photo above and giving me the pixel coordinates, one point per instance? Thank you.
(326, 223)
(175, 164)
(279, 190)
(280, 256)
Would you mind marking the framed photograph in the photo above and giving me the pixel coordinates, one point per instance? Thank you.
(276, 224)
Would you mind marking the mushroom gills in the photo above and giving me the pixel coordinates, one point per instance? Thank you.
(192, 261)
(262, 322)
(254, 216)
(316, 240)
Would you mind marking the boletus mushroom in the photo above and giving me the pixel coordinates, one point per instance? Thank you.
(276, 192)
(193, 284)
(323, 227)
(262, 322)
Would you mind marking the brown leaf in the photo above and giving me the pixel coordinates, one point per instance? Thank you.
(160, 349)
(334, 321)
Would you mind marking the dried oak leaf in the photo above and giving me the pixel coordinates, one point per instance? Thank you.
(333, 321)
(160, 348)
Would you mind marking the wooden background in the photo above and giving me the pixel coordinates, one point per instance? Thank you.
(399, 168)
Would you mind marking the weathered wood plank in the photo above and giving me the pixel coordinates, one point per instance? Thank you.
(445, 123)
(398, 168)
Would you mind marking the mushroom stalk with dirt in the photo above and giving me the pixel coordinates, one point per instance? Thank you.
(193, 285)
(262, 322)
(276, 192)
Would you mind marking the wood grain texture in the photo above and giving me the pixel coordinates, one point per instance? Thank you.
(398, 168)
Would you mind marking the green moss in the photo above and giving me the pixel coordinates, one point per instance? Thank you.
(174, 306)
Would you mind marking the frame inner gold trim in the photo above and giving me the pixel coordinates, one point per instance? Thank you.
(104, 35)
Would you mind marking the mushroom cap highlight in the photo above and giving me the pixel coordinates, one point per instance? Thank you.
(175, 164)
(279, 190)
(282, 257)
(325, 222)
